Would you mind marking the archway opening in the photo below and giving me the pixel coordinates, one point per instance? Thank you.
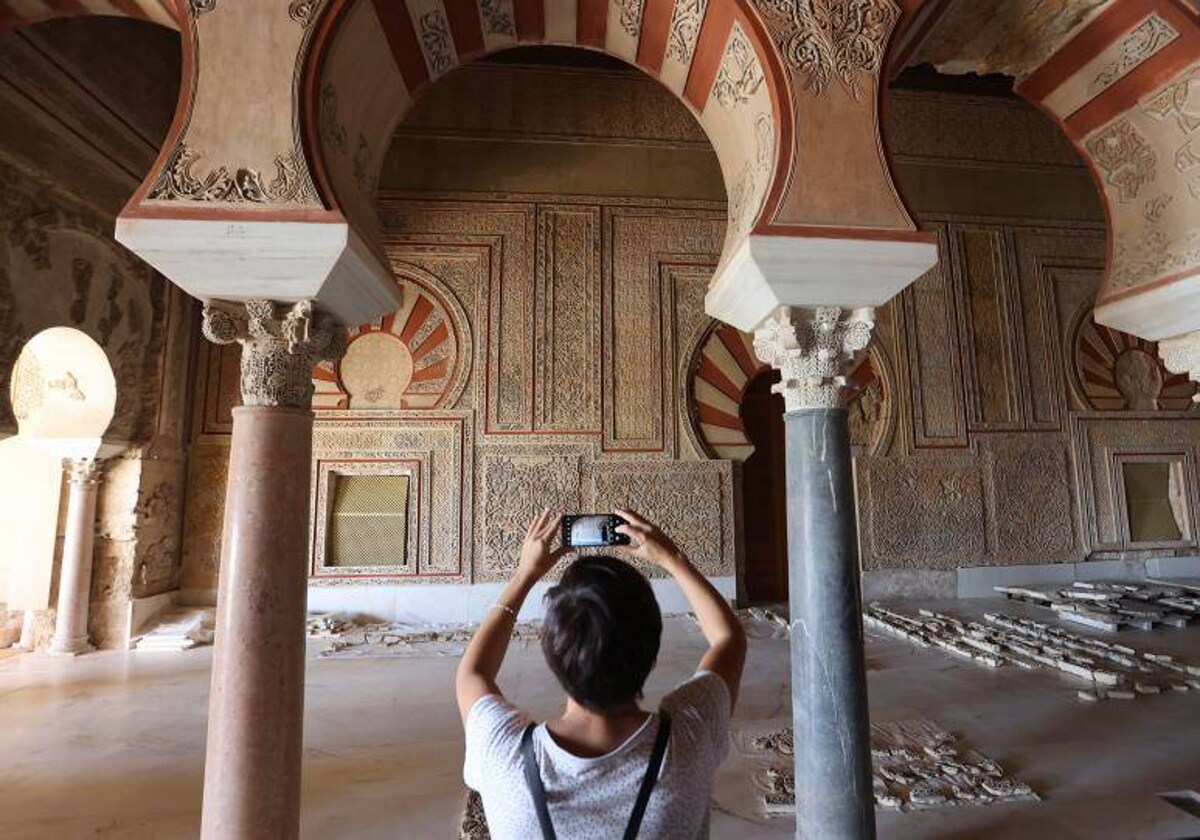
(764, 493)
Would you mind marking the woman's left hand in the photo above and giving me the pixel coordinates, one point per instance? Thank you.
(537, 556)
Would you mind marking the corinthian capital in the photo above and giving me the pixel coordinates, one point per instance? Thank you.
(278, 352)
(1182, 355)
(812, 349)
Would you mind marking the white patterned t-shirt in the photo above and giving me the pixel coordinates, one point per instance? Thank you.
(593, 797)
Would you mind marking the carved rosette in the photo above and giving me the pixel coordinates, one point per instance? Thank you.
(278, 353)
(1182, 355)
(813, 349)
(83, 471)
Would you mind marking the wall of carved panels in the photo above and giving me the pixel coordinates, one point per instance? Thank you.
(539, 359)
(553, 349)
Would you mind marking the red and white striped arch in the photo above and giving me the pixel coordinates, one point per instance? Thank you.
(1122, 79)
(717, 381)
(371, 59)
(17, 13)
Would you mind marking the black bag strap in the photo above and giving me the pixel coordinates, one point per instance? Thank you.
(651, 777)
(533, 779)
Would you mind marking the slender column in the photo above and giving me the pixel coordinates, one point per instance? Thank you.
(256, 708)
(75, 580)
(834, 795)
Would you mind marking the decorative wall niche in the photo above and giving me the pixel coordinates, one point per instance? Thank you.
(418, 357)
(1117, 371)
(368, 517)
(1154, 490)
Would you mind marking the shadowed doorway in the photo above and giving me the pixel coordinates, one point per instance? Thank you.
(764, 492)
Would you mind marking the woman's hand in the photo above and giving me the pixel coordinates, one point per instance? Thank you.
(649, 542)
(537, 556)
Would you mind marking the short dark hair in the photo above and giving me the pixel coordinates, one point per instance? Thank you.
(602, 631)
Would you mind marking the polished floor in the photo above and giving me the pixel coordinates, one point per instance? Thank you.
(111, 745)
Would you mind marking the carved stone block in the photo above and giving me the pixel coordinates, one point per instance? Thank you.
(513, 487)
(691, 501)
(923, 511)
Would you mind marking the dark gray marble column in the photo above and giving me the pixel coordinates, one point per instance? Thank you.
(834, 797)
(812, 348)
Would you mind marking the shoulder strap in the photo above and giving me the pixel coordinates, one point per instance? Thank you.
(533, 780)
(651, 777)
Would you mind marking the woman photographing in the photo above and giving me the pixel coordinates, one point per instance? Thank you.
(606, 768)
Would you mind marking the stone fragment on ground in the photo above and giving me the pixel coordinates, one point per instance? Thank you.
(180, 629)
(1112, 670)
(916, 764)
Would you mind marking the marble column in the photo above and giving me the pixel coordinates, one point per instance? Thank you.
(811, 349)
(256, 708)
(75, 579)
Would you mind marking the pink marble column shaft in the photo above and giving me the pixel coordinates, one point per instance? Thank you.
(256, 710)
(75, 579)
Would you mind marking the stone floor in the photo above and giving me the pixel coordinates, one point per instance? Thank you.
(111, 745)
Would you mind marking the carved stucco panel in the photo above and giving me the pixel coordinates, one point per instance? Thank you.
(922, 512)
(1031, 510)
(514, 485)
(691, 501)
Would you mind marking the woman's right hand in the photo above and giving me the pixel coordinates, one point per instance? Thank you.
(649, 542)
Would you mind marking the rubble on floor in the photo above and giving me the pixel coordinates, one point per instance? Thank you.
(179, 629)
(765, 622)
(1112, 671)
(359, 636)
(1113, 606)
(916, 765)
(10, 626)
(474, 824)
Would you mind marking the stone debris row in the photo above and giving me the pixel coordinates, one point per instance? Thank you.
(180, 629)
(1111, 606)
(916, 765)
(1112, 670)
(352, 635)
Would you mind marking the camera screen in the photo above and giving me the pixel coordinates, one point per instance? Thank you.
(589, 531)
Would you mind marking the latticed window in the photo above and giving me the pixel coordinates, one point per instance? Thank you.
(368, 522)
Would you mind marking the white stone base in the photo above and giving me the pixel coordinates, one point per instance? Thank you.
(463, 603)
(980, 581)
(144, 610)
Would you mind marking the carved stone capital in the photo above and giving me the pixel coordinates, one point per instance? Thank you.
(1182, 355)
(83, 471)
(278, 352)
(812, 349)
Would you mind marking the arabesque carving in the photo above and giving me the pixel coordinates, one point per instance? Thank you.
(740, 74)
(278, 354)
(304, 12)
(497, 18)
(631, 16)
(811, 350)
(1182, 355)
(1127, 159)
(1145, 40)
(179, 181)
(686, 20)
(827, 39)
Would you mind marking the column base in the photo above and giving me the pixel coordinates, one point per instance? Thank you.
(69, 647)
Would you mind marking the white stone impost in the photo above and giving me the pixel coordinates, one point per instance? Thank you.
(278, 353)
(1182, 355)
(812, 349)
